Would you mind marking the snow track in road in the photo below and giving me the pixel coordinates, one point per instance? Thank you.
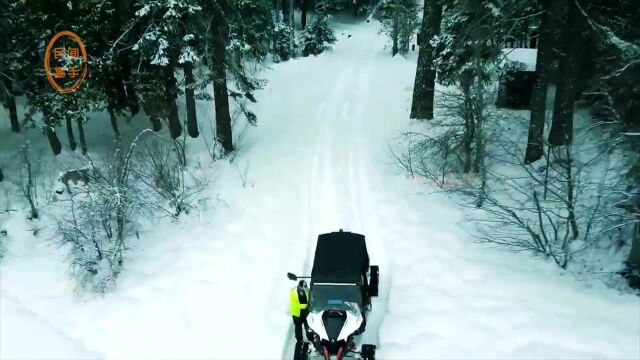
(338, 185)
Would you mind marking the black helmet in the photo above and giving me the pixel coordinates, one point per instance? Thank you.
(302, 284)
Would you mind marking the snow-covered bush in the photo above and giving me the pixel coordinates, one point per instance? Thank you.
(101, 218)
(434, 156)
(285, 44)
(454, 144)
(569, 210)
(318, 36)
(141, 182)
(560, 209)
(171, 187)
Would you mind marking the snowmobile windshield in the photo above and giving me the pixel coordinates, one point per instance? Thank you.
(346, 297)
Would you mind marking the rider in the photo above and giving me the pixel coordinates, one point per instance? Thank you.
(299, 299)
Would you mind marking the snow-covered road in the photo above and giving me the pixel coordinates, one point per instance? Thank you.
(216, 286)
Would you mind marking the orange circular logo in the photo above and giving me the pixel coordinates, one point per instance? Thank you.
(65, 77)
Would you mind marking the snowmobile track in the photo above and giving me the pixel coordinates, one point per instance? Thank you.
(339, 194)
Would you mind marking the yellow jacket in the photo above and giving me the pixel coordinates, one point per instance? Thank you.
(296, 306)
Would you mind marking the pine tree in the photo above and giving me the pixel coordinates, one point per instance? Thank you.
(165, 46)
(284, 42)
(319, 36)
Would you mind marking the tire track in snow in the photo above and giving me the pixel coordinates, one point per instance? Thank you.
(324, 208)
(340, 178)
(362, 177)
(309, 199)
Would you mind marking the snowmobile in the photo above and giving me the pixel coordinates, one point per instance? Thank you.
(341, 287)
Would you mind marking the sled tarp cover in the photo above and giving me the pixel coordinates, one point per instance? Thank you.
(341, 257)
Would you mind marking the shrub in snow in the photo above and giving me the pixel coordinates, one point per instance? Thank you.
(101, 219)
(166, 178)
(144, 181)
(566, 210)
(284, 42)
(318, 36)
(433, 156)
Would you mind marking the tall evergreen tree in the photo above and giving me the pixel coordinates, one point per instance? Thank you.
(319, 36)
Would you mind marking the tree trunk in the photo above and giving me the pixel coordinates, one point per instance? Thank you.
(478, 114)
(111, 108)
(469, 124)
(171, 92)
(571, 202)
(83, 140)
(480, 148)
(192, 119)
(121, 94)
(10, 104)
(633, 260)
(13, 114)
(72, 140)
(28, 188)
(303, 16)
(424, 86)
(223, 118)
(396, 27)
(286, 11)
(561, 132)
(132, 98)
(124, 85)
(544, 60)
(155, 123)
(220, 91)
(50, 131)
(114, 120)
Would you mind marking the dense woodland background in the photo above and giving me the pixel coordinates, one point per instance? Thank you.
(568, 191)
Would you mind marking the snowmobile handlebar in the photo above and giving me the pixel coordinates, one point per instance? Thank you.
(293, 277)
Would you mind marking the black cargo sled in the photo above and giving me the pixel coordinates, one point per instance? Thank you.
(342, 285)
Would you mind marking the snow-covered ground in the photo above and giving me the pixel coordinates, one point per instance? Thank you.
(214, 286)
